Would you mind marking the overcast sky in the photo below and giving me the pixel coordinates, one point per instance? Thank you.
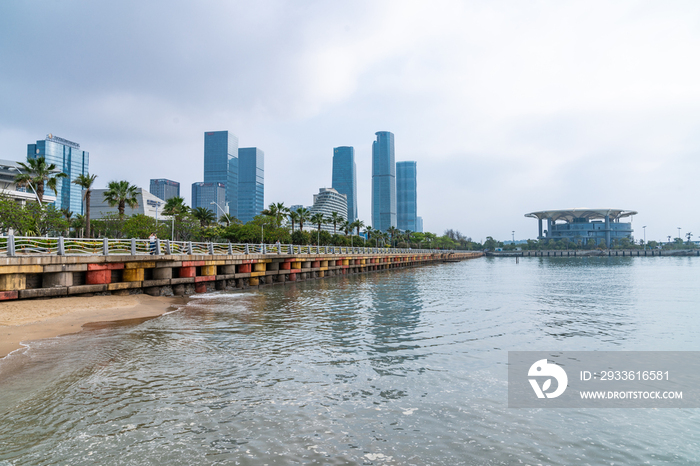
(508, 107)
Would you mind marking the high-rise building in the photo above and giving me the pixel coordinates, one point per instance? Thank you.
(419, 224)
(221, 165)
(251, 183)
(203, 194)
(406, 200)
(327, 201)
(345, 178)
(383, 182)
(165, 189)
(70, 160)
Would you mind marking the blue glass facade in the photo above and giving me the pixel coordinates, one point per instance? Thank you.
(406, 197)
(251, 183)
(383, 182)
(165, 189)
(203, 194)
(345, 177)
(70, 160)
(221, 165)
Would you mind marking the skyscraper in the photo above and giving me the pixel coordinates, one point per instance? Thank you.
(327, 201)
(344, 177)
(383, 182)
(406, 199)
(251, 183)
(164, 189)
(70, 160)
(203, 194)
(221, 165)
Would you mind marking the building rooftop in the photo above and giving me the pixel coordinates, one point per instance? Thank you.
(569, 215)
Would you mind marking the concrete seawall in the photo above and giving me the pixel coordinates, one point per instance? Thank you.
(25, 277)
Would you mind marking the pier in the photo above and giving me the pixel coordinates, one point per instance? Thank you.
(41, 267)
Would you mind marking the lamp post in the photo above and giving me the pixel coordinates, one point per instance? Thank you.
(30, 185)
(228, 222)
(679, 232)
(513, 233)
(645, 237)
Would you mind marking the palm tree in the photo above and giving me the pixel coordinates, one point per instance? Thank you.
(335, 219)
(304, 215)
(121, 194)
(392, 230)
(293, 218)
(277, 211)
(176, 208)
(358, 224)
(204, 215)
(86, 181)
(227, 218)
(37, 174)
(346, 227)
(318, 219)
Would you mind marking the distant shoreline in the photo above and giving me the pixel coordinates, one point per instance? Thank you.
(37, 319)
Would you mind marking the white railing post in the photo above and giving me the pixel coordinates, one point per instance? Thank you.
(189, 248)
(279, 248)
(168, 250)
(211, 248)
(230, 249)
(157, 251)
(61, 247)
(247, 250)
(105, 247)
(133, 246)
(11, 245)
(262, 248)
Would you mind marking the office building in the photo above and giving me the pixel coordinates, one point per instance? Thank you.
(406, 197)
(251, 183)
(221, 166)
(147, 204)
(345, 178)
(208, 195)
(327, 201)
(583, 224)
(419, 224)
(69, 159)
(383, 182)
(165, 189)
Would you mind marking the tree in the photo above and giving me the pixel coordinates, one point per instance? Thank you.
(358, 224)
(392, 230)
(121, 194)
(346, 227)
(229, 219)
(175, 207)
(293, 218)
(277, 211)
(304, 215)
(204, 215)
(86, 181)
(335, 219)
(318, 219)
(37, 174)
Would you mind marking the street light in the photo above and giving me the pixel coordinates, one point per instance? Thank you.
(679, 232)
(645, 237)
(228, 222)
(513, 233)
(30, 185)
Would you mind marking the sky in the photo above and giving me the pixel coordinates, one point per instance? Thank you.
(508, 107)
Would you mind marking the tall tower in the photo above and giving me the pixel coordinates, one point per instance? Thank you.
(345, 177)
(383, 182)
(70, 160)
(251, 183)
(406, 199)
(221, 165)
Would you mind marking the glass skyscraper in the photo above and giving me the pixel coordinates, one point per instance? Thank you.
(406, 200)
(221, 165)
(70, 160)
(345, 178)
(383, 182)
(203, 194)
(251, 183)
(164, 189)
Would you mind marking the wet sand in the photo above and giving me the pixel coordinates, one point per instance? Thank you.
(37, 319)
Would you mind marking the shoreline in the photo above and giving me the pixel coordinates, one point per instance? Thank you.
(39, 319)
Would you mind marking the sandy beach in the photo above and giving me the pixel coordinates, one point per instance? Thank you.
(47, 318)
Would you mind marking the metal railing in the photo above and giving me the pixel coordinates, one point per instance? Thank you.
(29, 245)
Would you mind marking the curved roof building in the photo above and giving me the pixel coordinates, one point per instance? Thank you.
(327, 201)
(584, 224)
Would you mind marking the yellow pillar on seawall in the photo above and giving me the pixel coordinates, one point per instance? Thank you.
(208, 270)
(133, 275)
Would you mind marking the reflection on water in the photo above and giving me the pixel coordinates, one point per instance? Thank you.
(406, 367)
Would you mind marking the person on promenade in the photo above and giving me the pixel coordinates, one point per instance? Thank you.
(152, 239)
